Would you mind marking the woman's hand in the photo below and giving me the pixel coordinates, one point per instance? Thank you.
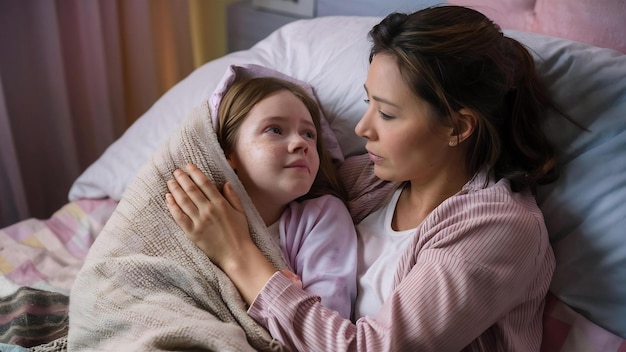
(217, 224)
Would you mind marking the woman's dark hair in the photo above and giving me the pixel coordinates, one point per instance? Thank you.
(244, 94)
(454, 57)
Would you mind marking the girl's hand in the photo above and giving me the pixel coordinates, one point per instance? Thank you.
(216, 223)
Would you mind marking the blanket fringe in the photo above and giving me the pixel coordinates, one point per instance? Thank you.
(276, 346)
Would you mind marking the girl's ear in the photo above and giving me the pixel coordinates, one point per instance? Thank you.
(231, 161)
(467, 120)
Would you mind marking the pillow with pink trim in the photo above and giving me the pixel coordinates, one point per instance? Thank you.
(566, 330)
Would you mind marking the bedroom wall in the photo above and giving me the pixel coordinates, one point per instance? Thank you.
(246, 24)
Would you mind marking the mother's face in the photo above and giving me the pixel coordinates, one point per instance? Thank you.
(403, 138)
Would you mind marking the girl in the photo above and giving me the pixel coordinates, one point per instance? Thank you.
(268, 129)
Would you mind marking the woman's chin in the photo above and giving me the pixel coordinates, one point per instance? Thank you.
(381, 174)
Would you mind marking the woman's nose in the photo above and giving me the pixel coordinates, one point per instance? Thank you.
(362, 128)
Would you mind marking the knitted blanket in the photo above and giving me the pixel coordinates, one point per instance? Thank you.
(146, 286)
(31, 317)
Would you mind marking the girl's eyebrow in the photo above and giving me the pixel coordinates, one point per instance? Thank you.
(284, 118)
(379, 99)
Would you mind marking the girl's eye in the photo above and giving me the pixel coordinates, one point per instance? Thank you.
(310, 135)
(275, 130)
(367, 101)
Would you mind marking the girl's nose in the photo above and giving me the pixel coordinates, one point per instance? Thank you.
(298, 142)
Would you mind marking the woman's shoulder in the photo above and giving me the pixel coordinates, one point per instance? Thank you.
(483, 190)
(496, 203)
(491, 217)
(501, 192)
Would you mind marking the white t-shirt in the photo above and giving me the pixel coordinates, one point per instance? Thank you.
(379, 248)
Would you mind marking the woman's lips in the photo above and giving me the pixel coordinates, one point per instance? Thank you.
(375, 158)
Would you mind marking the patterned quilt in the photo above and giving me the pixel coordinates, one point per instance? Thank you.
(39, 259)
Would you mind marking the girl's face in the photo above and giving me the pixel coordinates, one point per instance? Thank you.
(403, 139)
(275, 153)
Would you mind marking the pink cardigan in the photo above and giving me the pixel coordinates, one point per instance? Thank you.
(474, 279)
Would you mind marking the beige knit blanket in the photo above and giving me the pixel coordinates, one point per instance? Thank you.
(145, 286)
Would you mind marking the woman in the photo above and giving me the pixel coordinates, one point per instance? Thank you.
(457, 257)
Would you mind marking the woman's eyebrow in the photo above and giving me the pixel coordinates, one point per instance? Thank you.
(382, 100)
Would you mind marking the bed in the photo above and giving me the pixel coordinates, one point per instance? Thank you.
(581, 58)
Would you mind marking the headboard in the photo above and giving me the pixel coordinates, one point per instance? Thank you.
(597, 22)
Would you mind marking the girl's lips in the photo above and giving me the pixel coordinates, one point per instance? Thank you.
(299, 165)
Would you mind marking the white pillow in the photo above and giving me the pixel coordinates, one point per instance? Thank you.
(109, 175)
(585, 210)
(333, 61)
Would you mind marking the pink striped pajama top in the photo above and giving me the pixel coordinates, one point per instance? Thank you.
(474, 278)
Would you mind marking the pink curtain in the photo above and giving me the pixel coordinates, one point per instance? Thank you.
(74, 75)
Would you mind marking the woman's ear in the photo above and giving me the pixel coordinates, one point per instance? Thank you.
(467, 120)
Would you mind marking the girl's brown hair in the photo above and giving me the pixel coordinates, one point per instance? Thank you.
(454, 58)
(244, 94)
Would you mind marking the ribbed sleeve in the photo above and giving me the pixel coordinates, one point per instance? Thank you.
(473, 279)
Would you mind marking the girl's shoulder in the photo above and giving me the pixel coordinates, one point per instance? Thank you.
(324, 205)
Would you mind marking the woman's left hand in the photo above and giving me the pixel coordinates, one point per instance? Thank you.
(216, 223)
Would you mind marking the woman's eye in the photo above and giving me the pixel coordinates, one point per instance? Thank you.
(382, 114)
(385, 116)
